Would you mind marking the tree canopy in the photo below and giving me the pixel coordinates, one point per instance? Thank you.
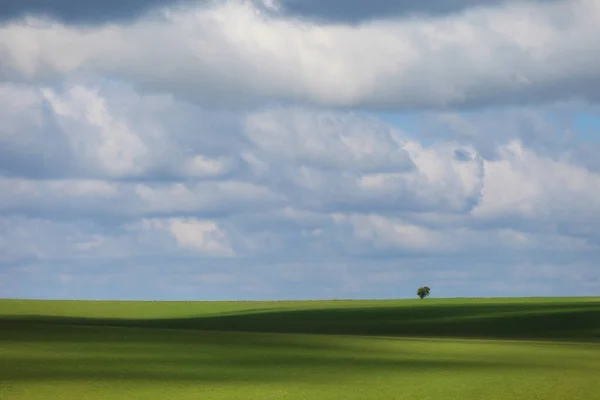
(423, 292)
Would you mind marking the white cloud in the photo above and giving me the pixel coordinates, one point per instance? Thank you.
(524, 184)
(201, 166)
(524, 51)
(199, 236)
(317, 163)
(202, 236)
(94, 198)
(109, 142)
(324, 160)
(392, 234)
(79, 188)
(58, 194)
(305, 158)
(104, 129)
(372, 233)
(305, 187)
(326, 139)
(438, 178)
(43, 239)
(206, 196)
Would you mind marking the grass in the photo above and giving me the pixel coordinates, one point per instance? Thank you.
(432, 349)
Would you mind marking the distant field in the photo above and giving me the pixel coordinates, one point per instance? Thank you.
(431, 349)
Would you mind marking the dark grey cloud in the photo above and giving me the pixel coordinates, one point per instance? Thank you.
(347, 11)
(355, 11)
(81, 11)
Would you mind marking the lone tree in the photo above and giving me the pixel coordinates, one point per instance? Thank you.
(423, 292)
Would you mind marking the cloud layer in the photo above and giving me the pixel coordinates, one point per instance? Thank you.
(227, 54)
(268, 150)
(349, 11)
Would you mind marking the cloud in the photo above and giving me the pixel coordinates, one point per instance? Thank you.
(201, 166)
(111, 144)
(356, 11)
(327, 161)
(78, 198)
(29, 140)
(207, 197)
(151, 196)
(230, 54)
(315, 159)
(372, 234)
(85, 11)
(327, 140)
(300, 158)
(353, 11)
(106, 130)
(525, 184)
(549, 130)
(201, 237)
(298, 149)
(27, 239)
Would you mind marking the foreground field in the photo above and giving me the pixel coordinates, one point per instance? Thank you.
(440, 349)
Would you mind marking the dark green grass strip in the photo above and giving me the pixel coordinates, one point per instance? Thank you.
(571, 320)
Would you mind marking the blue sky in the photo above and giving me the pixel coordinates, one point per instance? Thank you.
(299, 149)
(588, 124)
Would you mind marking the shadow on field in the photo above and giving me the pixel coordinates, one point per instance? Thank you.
(211, 349)
(241, 368)
(57, 353)
(545, 321)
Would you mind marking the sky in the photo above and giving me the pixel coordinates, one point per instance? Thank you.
(299, 149)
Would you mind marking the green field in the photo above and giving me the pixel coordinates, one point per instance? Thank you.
(431, 349)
